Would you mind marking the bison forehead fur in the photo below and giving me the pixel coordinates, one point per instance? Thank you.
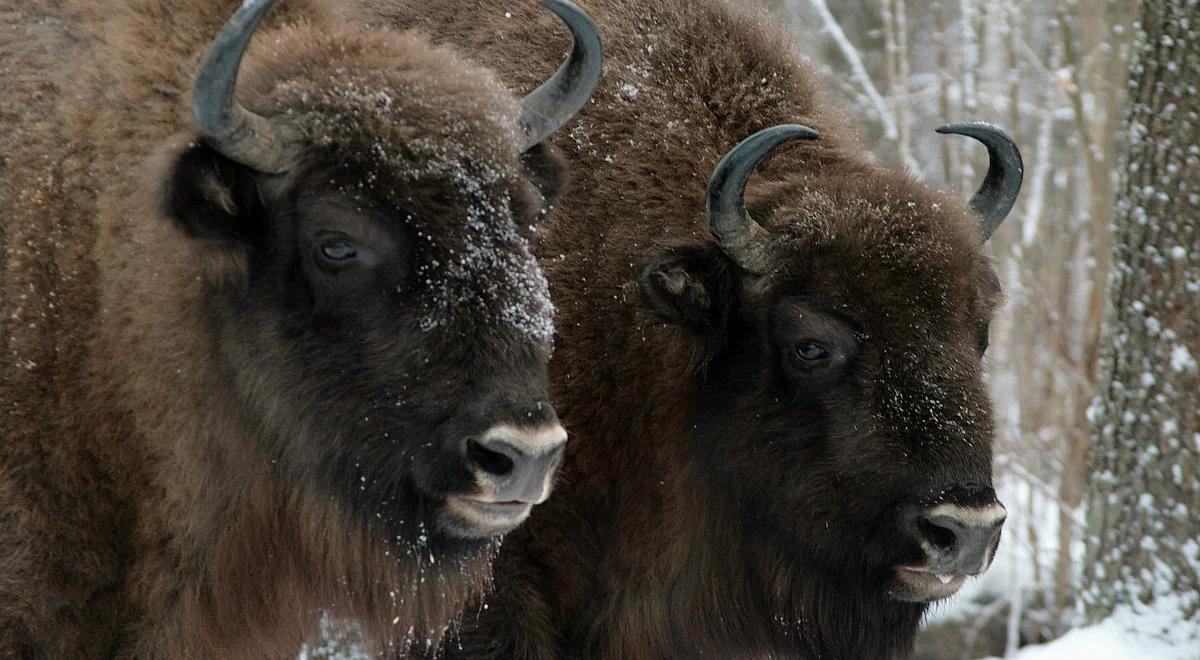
(398, 119)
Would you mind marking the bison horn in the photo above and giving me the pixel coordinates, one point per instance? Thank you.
(736, 233)
(553, 104)
(998, 193)
(231, 129)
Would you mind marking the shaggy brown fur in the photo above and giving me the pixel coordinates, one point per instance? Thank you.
(710, 506)
(186, 470)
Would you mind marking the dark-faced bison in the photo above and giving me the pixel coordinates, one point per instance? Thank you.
(781, 437)
(294, 363)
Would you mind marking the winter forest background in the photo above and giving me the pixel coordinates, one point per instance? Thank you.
(1083, 408)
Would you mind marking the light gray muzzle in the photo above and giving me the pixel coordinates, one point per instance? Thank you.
(959, 540)
(514, 464)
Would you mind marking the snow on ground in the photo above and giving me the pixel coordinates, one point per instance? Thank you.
(1159, 632)
(1097, 643)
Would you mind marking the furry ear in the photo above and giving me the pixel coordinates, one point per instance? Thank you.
(546, 168)
(690, 286)
(212, 197)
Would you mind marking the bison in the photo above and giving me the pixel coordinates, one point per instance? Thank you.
(781, 436)
(284, 356)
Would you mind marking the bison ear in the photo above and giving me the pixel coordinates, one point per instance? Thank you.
(546, 168)
(691, 286)
(212, 197)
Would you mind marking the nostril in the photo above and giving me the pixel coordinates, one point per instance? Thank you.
(492, 462)
(939, 537)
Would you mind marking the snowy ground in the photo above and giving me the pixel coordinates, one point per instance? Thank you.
(1157, 633)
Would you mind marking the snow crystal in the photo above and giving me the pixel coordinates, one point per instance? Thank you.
(1182, 360)
(338, 640)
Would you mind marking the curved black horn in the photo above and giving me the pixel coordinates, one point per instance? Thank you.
(737, 234)
(999, 190)
(229, 128)
(553, 104)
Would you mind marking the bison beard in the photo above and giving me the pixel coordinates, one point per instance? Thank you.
(294, 363)
(733, 489)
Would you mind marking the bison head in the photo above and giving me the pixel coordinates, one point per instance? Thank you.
(371, 297)
(842, 408)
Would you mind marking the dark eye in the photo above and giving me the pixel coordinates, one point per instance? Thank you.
(809, 355)
(338, 250)
(983, 339)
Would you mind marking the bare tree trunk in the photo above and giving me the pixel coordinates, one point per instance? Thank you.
(1144, 491)
(1011, 37)
(944, 80)
(889, 48)
(969, 70)
(1094, 127)
(901, 98)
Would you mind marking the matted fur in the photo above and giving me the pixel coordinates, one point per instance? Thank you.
(142, 512)
(700, 515)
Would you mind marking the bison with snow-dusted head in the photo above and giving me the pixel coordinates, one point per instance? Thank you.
(296, 362)
(781, 436)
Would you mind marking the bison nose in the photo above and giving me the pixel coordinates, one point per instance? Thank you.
(517, 464)
(959, 540)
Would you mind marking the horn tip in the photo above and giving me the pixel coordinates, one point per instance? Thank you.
(973, 128)
(801, 132)
(557, 100)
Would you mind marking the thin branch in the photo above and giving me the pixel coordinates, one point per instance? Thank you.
(1041, 170)
(1048, 491)
(852, 56)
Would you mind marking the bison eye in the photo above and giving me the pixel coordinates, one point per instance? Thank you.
(335, 253)
(809, 355)
(339, 250)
